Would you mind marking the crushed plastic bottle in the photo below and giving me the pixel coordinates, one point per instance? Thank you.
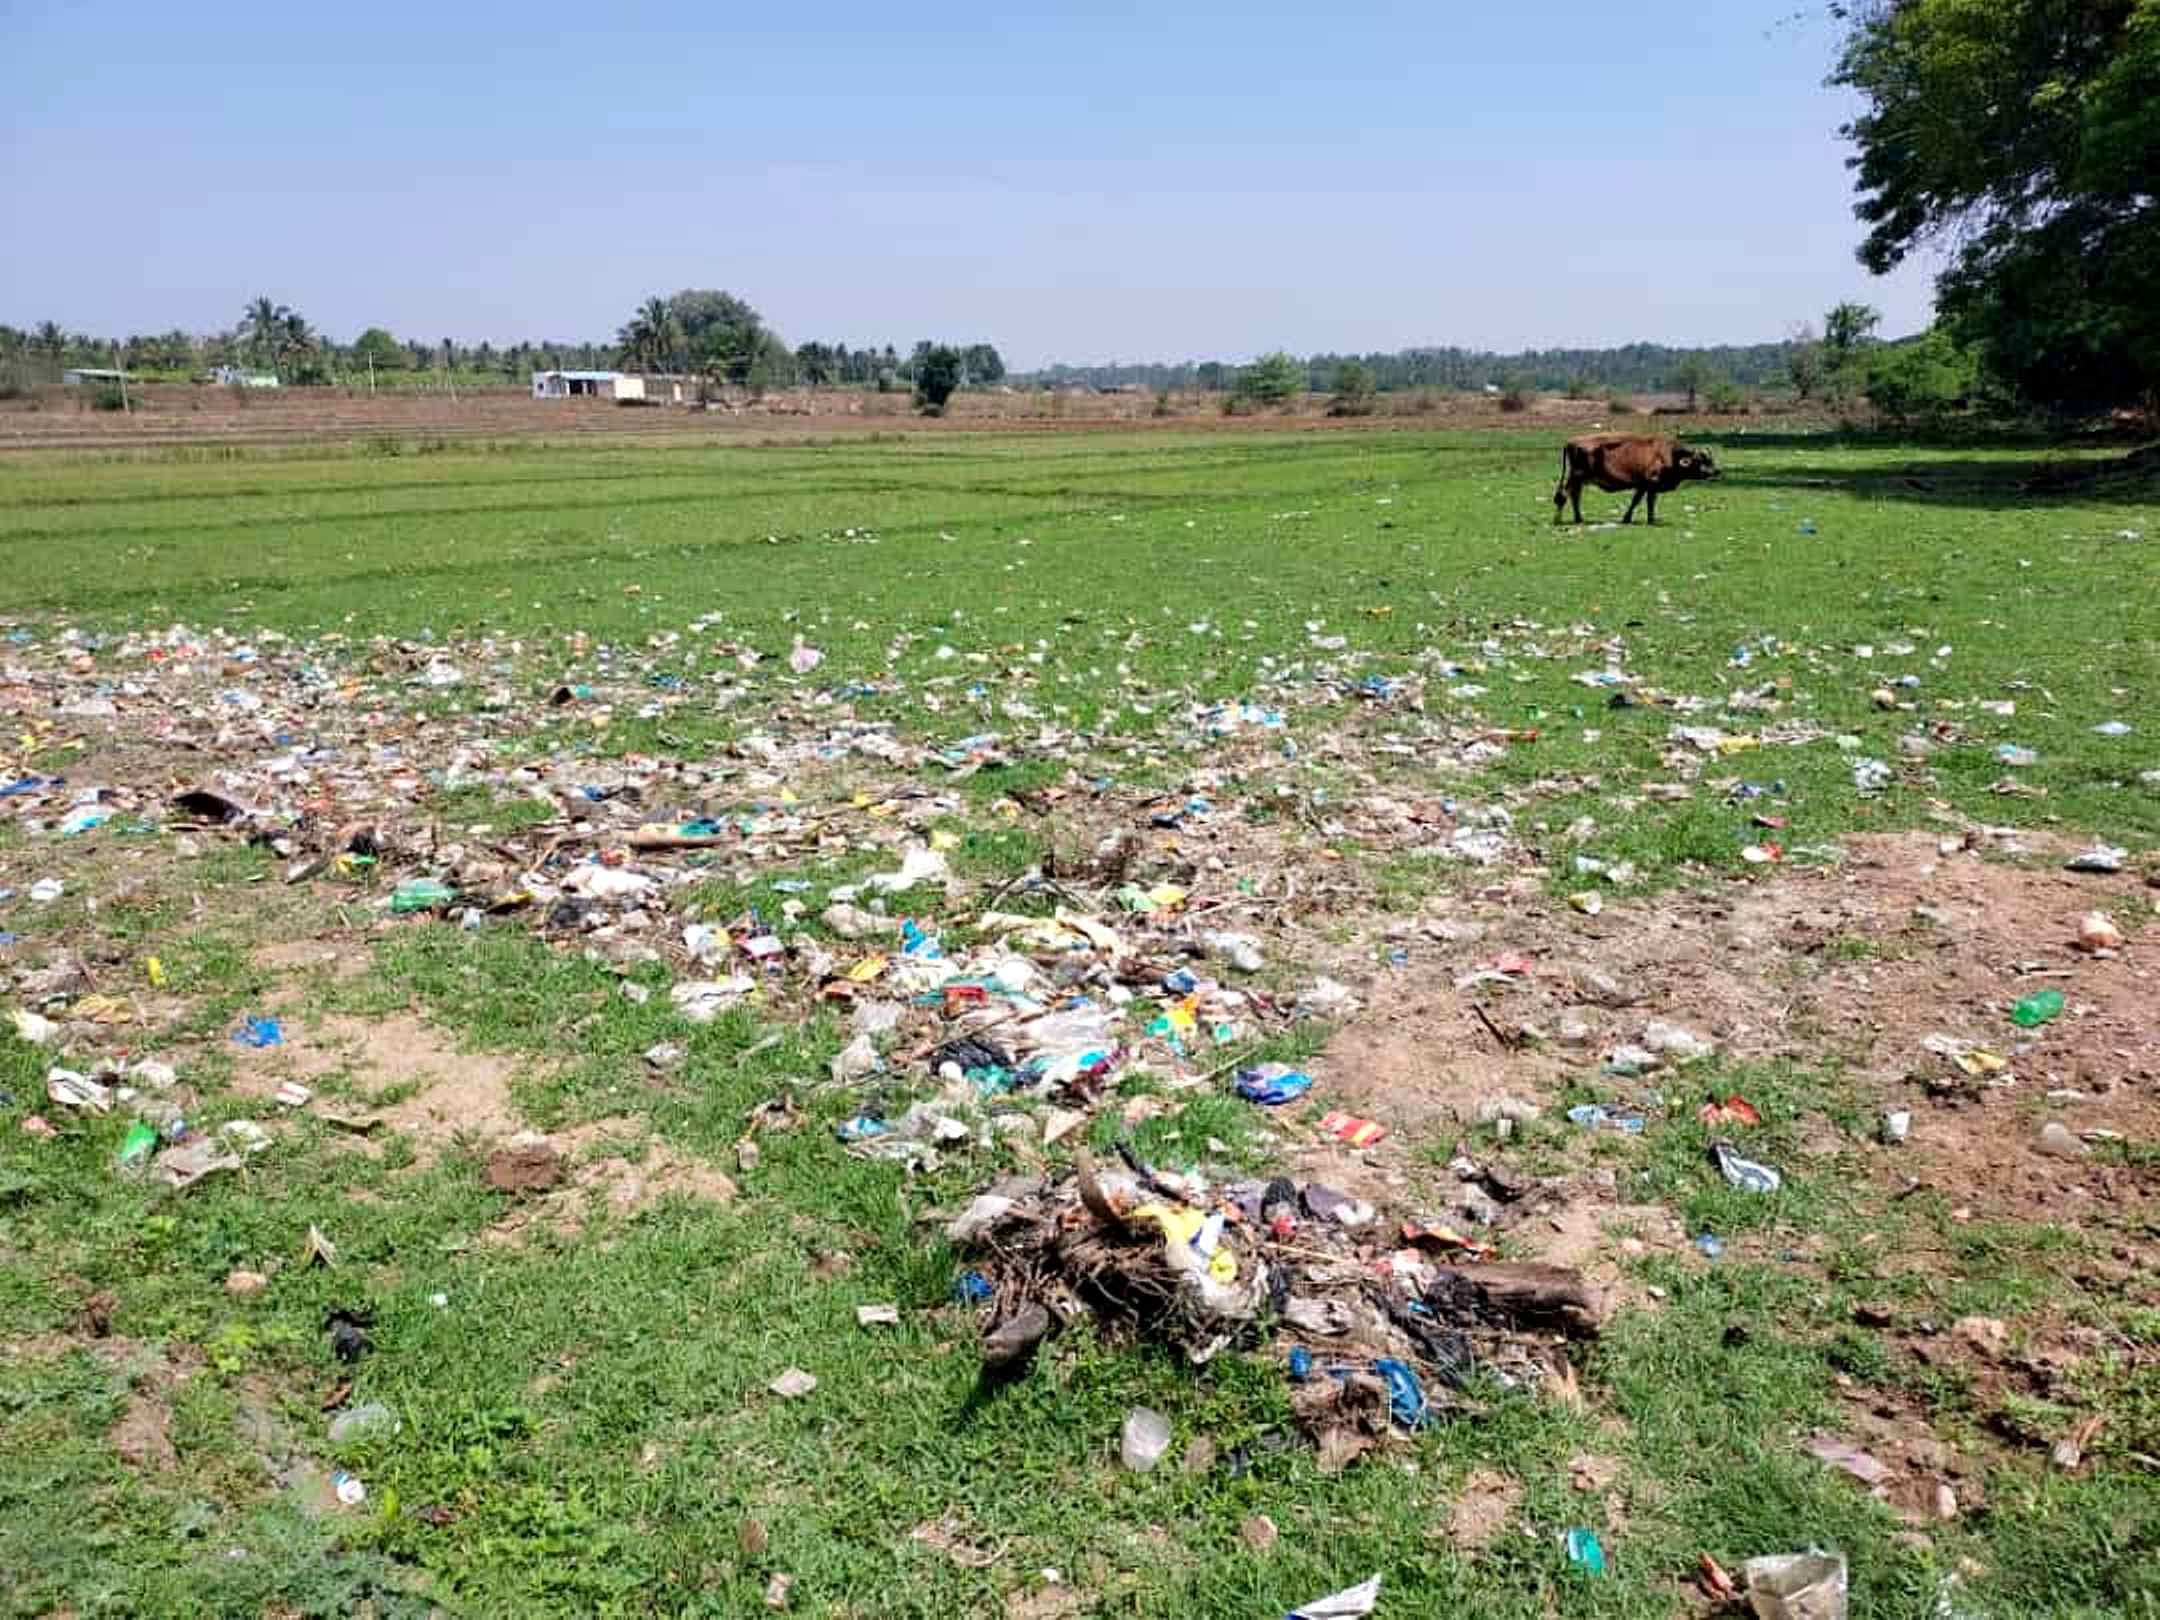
(363, 1423)
(2041, 1007)
(420, 894)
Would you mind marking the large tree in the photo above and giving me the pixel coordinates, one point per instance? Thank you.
(720, 332)
(937, 374)
(2023, 136)
(378, 347)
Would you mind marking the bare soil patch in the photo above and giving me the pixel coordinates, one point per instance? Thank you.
(1483, 1508)
(459, 1092)
(1858, 966)
(620, 1178)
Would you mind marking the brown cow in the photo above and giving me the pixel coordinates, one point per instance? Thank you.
(1650, 465)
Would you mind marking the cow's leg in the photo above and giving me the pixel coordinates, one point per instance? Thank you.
(1629, 515)
(1574, 490)
(1559, 500)
(1651, 510)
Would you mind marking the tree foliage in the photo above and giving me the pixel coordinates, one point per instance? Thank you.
(1273, 379)
(1356, 394)
(1924, 379)
(937, 368)
(2024, 137)
(378, 346)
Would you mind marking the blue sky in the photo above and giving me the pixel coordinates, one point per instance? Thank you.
(1109, 182)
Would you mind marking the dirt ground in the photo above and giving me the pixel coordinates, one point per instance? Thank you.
(1858, 964)
(174, 414)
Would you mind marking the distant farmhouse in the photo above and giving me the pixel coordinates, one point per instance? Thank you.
(587, 385)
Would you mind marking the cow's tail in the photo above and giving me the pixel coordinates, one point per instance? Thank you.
(1559, 493)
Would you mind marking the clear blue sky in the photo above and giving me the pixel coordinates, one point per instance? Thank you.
(1111, 182)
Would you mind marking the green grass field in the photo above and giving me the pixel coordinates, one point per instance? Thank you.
(586, 1422)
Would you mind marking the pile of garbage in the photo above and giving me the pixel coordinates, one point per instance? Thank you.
(1383, 1327)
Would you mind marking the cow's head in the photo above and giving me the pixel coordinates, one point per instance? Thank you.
(1689, 463)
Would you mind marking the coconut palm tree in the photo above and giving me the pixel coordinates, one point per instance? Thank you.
(49, 340)
(652, 338)
(263, 325)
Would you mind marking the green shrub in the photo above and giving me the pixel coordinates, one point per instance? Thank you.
(1356, 394)
(1620, 405)
(1273, 379)
(1516, 395)
(109, 398)
(1925, 380)
(1724, 397)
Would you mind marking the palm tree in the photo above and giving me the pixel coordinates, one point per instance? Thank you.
(652, 338)
(263, 322)
(49, 340)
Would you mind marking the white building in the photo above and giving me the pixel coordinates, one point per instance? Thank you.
(587, 385)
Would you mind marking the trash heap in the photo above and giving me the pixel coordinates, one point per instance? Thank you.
(1382, 1327)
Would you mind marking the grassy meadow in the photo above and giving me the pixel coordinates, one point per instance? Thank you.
(585, 1422)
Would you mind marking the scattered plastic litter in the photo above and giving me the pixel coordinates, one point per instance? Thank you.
(259, 1033)
(1745, 1174)
(1351, 1130)
(1347, 1604)
(421, 894)
(1796, 1586)
(1585, 1551)
(72, 1090)
(364, 1422)
(2100, 858)
(1608, 1117)
(2098, 934)
(1143, 1439)
(2041, 1007)
(1272, 1084)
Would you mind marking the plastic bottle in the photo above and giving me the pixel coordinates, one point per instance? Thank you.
(362, 1423)
(2036, 1009)
(140, 1142)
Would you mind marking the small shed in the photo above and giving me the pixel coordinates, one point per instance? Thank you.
(94, 376)
(587, 385)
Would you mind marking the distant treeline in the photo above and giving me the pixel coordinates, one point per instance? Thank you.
(1634, 368)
